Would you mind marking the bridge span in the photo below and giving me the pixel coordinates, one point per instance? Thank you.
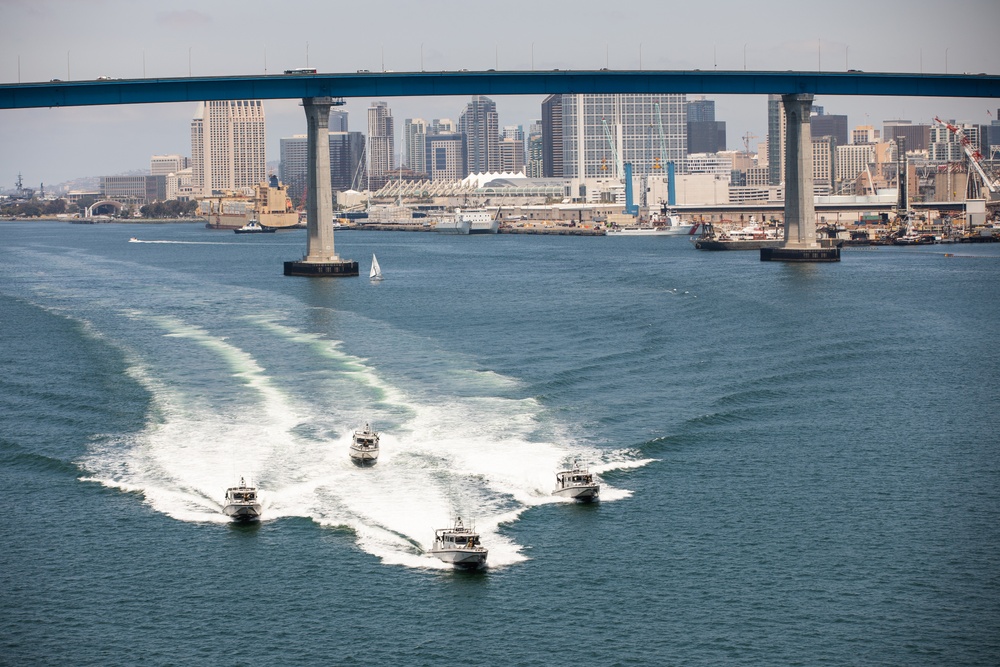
(418, 84)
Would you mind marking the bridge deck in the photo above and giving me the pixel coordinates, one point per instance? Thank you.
(418, 84)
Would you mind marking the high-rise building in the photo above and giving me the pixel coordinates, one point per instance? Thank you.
(446, 160)
(945, 145)
(338, 120)
(599, 131)
(512, 156)
(480, 125)
(917, 137)
(443, 126)
(829, 125)
(534, 161)
(824, 165)
(552, 137)
(775, 140)
(415, 144)
(228, 146)
(704, 133)
(700, 111)
(381, 143)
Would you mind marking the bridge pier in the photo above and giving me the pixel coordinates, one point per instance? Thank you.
(320, 258)
(800, 209)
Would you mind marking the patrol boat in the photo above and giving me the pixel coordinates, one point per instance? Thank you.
(577, 483)
(364, 446)
(242, 502)
(459, 546)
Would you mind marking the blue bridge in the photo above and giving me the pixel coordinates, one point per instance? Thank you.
(418, 84)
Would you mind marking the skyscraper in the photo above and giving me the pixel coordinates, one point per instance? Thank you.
(599, 128)
(704, 133)
(228, 146)
(381, 144)
(415, 144)
(480, 125)
(552, 137)
(775, 140)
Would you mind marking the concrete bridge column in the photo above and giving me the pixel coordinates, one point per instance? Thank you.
(320, 258)
(800, 244)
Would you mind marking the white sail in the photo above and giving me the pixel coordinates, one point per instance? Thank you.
(376, 273)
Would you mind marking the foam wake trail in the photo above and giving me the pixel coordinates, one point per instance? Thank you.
(478, 456)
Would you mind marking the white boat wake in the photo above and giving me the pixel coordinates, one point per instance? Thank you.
(476, 456)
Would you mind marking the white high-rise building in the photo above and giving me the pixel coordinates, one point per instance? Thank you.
(381, 143)
(596, 128)
(228, 149)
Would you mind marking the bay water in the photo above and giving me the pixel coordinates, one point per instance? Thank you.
(799, 463)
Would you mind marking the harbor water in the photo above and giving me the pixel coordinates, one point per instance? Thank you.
(800, 463)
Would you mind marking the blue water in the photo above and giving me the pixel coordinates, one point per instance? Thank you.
(799, 463)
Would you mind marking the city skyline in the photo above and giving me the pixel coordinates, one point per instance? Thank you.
(54, 39)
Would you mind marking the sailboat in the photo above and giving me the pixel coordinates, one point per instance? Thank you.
(376, 272)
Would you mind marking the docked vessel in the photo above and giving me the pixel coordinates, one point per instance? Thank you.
(270, 206)
(663, 223)
(476, 221)
(253, 227)
(459, 546)
(242, 503)
(751, 237)
(452, 226)
(364, 446)
(577, 484)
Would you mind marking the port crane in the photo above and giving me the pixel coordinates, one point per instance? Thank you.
(975, 157)
(624, 170)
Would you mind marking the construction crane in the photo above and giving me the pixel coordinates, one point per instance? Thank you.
(975, 157)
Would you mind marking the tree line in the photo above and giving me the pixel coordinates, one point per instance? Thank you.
(36, 208)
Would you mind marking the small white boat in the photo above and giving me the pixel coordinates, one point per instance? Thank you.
(254, 227)
(459, 546)
(133, 239)
(577, 483)
(364, 446)
(242, 502)
(376, 272)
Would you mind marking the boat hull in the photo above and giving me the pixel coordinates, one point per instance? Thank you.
(453, 227)
(709, 244)
(685, 230)
(580, 493)
(462, 558)
(363, 457)
(242, 512)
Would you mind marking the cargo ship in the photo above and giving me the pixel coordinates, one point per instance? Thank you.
(269, 206)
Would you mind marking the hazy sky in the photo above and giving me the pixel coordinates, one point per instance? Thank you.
(84, 39)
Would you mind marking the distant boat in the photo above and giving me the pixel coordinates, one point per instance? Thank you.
(376, 272)
(459, 546)
(577, 483)
(253, 227)
(242, 503)
(134, 240)
(364, 446)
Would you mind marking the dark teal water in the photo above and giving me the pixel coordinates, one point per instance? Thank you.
(800, 463)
